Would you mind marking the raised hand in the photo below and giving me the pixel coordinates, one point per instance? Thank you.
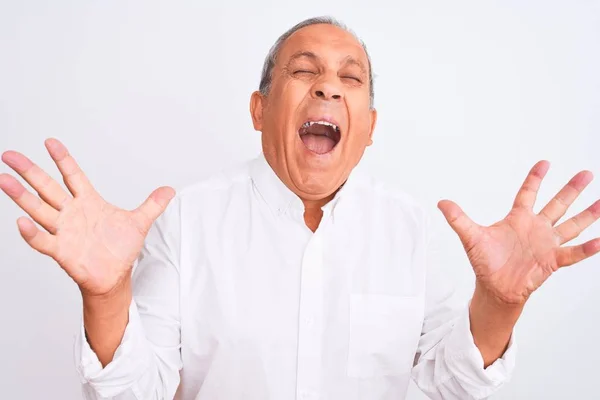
(514, 256)
(95, 242)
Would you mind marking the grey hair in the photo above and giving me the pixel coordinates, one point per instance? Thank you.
(267, 71)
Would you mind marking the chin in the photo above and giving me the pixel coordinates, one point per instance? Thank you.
(317, 178)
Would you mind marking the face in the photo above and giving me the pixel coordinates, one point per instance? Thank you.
(316, 120)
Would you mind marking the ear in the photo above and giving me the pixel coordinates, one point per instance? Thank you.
(373, 113)
(256, 110)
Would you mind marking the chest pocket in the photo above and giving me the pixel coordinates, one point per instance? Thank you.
(384, 334)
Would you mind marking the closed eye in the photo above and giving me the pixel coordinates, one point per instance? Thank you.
(352, 77)
(304, 71)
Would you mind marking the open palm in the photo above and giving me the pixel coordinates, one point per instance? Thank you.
(95, 242)
(513, 257)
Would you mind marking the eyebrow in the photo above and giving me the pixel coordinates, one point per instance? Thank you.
(300, 54)
(349, 60)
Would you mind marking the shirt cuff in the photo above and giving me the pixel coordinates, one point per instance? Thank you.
(127, 364)
(466, 362)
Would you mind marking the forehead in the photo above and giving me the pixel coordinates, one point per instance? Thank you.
(324, 40)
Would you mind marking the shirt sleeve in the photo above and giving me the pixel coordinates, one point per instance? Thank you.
(146, 363)
(448, 364)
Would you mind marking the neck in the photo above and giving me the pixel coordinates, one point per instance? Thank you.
(313, 213)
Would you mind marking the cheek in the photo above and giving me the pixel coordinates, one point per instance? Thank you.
(359, 112)
(285, 101)
(360, 122)
(293, 94)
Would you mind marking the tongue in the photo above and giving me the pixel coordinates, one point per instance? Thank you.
(317, 143)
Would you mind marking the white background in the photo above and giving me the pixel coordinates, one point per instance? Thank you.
(470, 96)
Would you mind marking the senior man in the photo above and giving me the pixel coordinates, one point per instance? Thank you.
(293, 276)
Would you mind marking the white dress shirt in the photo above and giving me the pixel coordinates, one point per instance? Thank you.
(235, 298)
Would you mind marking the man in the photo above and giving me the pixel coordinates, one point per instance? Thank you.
(294, 276)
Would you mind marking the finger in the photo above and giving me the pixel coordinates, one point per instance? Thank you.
(528, 192)
(39, 240)
(47, 188)
(572, 227)
(154, 205)
(558, 206)
(41, 212)
(467, 230)
(570, 255)
(75, 179)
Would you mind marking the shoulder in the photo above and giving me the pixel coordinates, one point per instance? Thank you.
(224, 182)
(389, 198)
(209, 198)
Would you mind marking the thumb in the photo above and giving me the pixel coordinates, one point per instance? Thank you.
(467, 230)
(154, 205)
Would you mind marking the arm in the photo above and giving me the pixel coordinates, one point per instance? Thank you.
(448, 363)
(96, 244)
(515, 256)
(472, 354)
(147, 361)
(492, 324)
(105, 319)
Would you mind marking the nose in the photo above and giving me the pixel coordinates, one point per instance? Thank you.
(326, 91)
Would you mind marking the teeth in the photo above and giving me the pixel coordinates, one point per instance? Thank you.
(309, 123)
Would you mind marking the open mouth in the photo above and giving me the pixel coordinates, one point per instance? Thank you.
(319, 136)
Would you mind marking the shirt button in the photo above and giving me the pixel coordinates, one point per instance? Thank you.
(308, 321)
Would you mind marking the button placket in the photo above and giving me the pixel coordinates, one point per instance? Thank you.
(310, 320)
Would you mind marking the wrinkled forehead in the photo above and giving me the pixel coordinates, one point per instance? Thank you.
(329, 43)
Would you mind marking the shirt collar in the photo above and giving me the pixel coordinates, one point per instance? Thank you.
(280, 198)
